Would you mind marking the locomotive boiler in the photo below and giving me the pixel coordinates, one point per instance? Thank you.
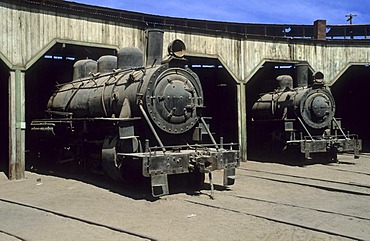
(122, 116)
(300, 122)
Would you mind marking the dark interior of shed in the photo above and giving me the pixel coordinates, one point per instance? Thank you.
(264, 81)
(56, 66)
(4, 107)
(220, 97)
(350, 92)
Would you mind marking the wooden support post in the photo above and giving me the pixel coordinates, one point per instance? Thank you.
(17, 124)
(242, 121)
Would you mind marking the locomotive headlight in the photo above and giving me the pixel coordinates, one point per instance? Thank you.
(320, 107)
(177, 48)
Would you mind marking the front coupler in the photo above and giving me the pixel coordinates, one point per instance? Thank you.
(158, 165)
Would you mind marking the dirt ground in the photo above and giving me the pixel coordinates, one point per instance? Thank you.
(269, 201)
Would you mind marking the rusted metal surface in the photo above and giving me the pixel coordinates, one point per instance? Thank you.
(301, 117)
(120, 111)
(34, 27)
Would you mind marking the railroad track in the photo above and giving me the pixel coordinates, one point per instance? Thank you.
(14, 236)
(286, 213)
(70, 217)
(280, 213)
(355, 172)
(325, 184)
(276, 220)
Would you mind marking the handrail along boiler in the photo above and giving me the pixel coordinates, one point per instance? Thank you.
(114, 115)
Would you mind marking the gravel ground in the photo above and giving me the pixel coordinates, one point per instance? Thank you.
(269, 201)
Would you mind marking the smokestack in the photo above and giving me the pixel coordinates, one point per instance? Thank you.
(301, 74)
(154, 47)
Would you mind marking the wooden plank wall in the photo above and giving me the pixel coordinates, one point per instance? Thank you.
(26, 33)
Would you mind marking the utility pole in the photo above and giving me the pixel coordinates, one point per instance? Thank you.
(350, 17)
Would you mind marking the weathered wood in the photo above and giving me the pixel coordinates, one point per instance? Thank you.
(242, 121)
(26, 34)
(12, 129)
(17, 124)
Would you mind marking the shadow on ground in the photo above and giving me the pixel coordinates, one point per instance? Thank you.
(135, 186)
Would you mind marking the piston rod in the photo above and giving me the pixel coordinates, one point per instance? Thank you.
(209, 132)
(152, 128)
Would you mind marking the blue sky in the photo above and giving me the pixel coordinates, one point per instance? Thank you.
(248, 11)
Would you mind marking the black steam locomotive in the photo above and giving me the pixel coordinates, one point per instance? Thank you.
(122, 116)
(298, 123)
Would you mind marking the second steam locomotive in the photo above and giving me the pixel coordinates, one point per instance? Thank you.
(122, 116)
(300, 121)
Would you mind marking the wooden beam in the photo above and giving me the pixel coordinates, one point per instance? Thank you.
(242, 121)
(12, 132)
(17, 124)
